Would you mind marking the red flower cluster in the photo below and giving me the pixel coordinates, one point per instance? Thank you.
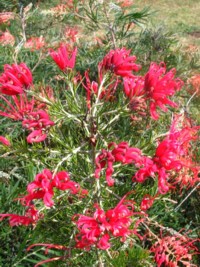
(37, 121)
(43, 188)
(96, 230)
(154, 88)
(134, 90)
(71, 34)
(17, 107)
(43, 185)
(15, 79)
(63, 58)
(119, 62)
(35, 43)
(5, 17)
(6, 38)
(120, 153)
(159, 85)
(31, 217)
(172, 154)
(174, 251)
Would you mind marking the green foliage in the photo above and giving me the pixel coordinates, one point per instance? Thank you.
(130, 257)
(80, 134)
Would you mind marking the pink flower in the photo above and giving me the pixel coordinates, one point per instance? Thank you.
(174, 251)
(37, 120)
(103, 243)
(35, 43)
(6, 38)
(71, 34)
(63, 58)
(15, 79)
(159, 85)
(125, 3)
(4, 141)
(119, 62)
(6, 17)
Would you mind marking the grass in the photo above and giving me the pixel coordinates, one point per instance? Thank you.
(180, 16)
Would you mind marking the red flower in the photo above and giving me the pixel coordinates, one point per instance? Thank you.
(6, 17)
(173, 154)
(36, 136)
(6, 38)
(120, 153)
(97, 229)
(35, 43)
(147, 202)
(18, 107)
(63, 58)
(43, 187)
(31, 217)
(174, 251)
(4, 141)
(37, 120)
(91, 88)
(15, 79)
(119, 62)
(134, 87)
(103, 242)
(120, 220)
(159, 85)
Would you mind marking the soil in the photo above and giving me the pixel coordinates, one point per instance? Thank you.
(195, 34)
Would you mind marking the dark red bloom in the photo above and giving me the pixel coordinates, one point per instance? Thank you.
(119, 62)
(15, 79)
(63, 58)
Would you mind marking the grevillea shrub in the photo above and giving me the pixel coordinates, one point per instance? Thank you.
(109, 150)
